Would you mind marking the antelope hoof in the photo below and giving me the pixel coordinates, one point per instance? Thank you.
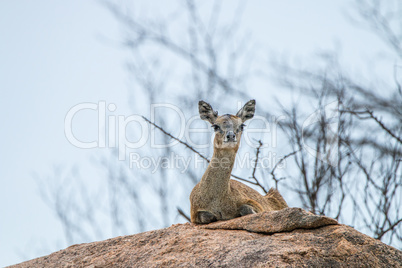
(246, 210)
(205, 217)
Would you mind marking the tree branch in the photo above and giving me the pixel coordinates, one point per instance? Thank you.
(277, 164)
(184, 215)
(255, 167)
(176, 139)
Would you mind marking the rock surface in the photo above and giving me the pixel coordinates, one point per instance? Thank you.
(291, 237)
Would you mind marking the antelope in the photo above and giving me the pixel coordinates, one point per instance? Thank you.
(217, 197)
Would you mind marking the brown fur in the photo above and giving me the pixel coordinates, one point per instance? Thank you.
(216, 196)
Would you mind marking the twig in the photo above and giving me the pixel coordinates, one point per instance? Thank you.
(282, 159)
(383, 126)
(391, 228)
(277, 164)
(173, 137)
(255, 167)
(378, 121)
(245, 180)
(256, 160)
(184, 215)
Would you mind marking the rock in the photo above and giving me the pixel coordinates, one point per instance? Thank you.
(291, 237)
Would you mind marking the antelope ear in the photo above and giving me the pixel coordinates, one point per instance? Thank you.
(247, 112)
(206, 112)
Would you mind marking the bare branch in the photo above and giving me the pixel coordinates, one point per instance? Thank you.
(184, 215)
(383, 126)
(176, 139)
(283, 159)
(255, 167)
(372, 116)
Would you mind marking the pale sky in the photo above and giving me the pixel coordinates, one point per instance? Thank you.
(56, 54)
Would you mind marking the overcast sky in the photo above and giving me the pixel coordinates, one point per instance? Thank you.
(56, 54)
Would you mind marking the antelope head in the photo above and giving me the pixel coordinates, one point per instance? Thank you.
(228, 128)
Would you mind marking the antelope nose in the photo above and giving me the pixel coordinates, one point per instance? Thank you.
(231, 136)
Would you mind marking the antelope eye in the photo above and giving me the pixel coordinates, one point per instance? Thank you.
(216, 127)
(242, 127)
